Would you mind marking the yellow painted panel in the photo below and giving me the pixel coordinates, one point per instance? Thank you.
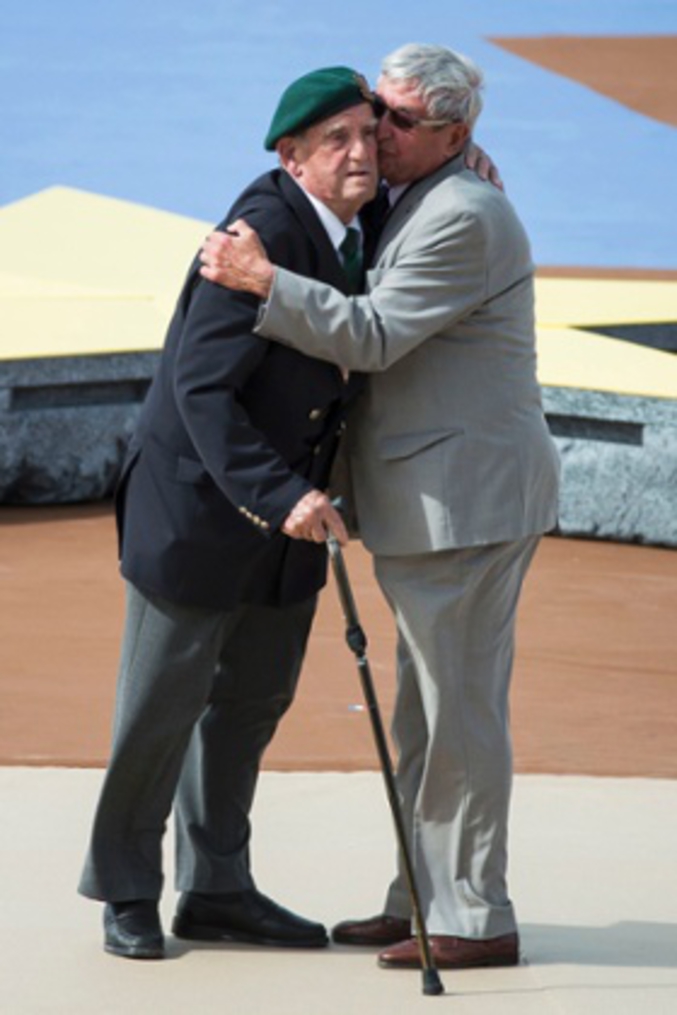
(571, 301)
(575, 359)
(82, 274)
(22, 286)
(79, 327)
(82, 239)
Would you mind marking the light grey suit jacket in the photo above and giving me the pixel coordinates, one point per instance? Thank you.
(449, 446)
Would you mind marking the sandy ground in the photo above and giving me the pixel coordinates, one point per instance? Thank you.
(597, 921)
(595, 676)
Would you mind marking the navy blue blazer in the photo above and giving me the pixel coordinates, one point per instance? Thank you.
(233, 432)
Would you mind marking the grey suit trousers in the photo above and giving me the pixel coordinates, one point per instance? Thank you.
(455, 613)
(199, 696)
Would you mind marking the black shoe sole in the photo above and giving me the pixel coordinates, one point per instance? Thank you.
(135, 951)
(205, 932)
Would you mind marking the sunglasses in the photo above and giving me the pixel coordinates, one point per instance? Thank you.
(402, 120)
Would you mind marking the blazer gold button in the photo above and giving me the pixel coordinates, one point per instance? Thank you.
(315, 414)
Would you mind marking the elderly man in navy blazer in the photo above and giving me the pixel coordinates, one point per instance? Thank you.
(221, 518)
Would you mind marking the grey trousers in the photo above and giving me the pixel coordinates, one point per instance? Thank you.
(455, 613)
(199, 696)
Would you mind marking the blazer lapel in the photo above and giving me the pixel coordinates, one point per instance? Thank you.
(330, 269)
(412, 198)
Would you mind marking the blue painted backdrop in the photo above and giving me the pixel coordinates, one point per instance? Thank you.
(166, 103)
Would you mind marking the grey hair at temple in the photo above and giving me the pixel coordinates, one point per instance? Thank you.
(450, 84)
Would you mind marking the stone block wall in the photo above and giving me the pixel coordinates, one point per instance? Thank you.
(65, 423)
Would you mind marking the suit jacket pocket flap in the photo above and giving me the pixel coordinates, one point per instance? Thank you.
(407, 444)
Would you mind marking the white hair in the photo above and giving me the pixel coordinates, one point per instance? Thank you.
(450, 84)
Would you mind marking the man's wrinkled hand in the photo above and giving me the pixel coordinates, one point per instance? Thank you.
(237, 259)
(313, 517)
(482, 164)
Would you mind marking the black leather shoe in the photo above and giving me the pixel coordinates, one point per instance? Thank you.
(244, 916)
(133, 930)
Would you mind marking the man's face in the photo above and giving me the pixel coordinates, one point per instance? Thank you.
(409, 153)
(335, 160)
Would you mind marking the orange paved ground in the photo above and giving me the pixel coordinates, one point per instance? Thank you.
(595, 688)
(636, 70)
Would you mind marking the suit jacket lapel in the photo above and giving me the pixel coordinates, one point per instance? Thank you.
(412, 198)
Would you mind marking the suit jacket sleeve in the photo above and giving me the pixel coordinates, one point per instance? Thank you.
(439, 277)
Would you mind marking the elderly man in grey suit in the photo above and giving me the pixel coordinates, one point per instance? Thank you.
(455, 478)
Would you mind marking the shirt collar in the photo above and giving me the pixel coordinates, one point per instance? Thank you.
(395, 193)
(335, 229)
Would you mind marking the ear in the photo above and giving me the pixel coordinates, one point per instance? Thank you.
(457, 137)
(289, 153)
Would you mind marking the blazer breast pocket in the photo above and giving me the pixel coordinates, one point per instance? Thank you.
(400, 446)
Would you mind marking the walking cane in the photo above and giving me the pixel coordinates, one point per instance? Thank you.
(357, 642)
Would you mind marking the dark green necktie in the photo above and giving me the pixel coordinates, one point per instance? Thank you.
(351, 253)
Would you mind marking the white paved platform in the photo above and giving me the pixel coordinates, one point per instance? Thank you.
(593, 865)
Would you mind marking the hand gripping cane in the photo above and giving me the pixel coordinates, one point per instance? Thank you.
(357, 642)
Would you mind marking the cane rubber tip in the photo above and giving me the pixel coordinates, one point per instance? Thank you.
(432, 985)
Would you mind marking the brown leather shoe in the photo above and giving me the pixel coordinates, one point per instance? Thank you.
(454, 952)
(376, 932)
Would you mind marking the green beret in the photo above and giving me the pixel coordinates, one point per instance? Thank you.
(314, 97)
